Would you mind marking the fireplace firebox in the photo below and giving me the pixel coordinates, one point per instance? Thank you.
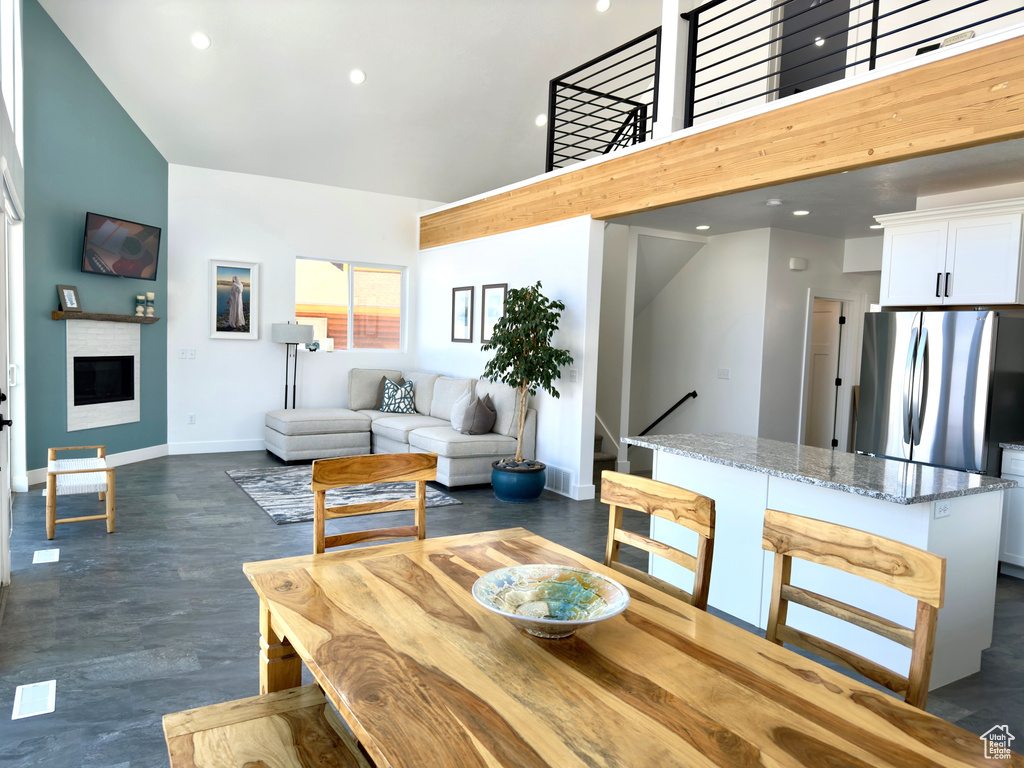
(108, 379)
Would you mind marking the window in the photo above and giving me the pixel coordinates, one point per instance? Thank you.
(356, 306)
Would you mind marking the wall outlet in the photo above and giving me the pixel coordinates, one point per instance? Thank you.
(574, 374)
(941, 510)
(190, 419)
(724, 373)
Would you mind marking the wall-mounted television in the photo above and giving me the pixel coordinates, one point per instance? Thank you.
(120, 248)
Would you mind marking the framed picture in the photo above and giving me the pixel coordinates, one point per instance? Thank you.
(67, 299)
(492, 308)
(234, 300)
(462, 314)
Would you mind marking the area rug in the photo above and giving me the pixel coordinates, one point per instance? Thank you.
(284, 494)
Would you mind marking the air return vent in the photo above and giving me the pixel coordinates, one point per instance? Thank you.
(558, 480)
(34, 699)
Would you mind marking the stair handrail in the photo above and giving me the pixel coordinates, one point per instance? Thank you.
(661, 418)
(635, 120)
(617, 441)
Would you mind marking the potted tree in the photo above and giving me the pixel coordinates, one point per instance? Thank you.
(525, 360)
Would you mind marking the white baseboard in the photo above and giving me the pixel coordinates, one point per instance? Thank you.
(583, 492)
(623, 467)
(36, 476)
(216, 446)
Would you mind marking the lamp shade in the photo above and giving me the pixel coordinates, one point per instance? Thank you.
(291, 333)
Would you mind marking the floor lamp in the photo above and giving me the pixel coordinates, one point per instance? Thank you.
(291, 335)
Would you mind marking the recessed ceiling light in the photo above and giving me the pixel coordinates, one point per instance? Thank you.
(357, 76)
(773, 202)
(703, 226)
(800, 213)
(819, 41)
(875, 226)
(201, 40)
(603, 5)
(541, 120)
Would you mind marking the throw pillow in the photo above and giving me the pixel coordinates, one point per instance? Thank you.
(476, 417)
(380, 390)
(398, 399)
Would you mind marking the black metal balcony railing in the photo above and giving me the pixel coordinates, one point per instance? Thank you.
(745, 52)
(609, 102)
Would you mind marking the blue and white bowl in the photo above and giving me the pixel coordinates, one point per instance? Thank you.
(550, 601)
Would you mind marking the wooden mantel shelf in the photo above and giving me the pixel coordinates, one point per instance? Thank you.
(58, 315)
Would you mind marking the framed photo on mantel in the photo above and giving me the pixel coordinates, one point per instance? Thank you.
(462, 314)
(67, 299)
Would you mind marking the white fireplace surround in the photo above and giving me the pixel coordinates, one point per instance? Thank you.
(97, 338)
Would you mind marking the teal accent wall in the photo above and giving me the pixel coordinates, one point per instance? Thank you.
(83, 153)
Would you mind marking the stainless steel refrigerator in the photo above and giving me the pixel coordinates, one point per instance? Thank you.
(941, 388)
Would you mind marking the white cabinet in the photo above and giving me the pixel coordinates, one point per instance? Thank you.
(969, 255)
(913, 263)
(1011, 546)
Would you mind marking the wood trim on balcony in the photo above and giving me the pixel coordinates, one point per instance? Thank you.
(954, 103)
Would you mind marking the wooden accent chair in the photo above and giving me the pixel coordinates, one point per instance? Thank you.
(288, 729)
(670, 503)
(362, 470)
(910, 570)
(66, 477)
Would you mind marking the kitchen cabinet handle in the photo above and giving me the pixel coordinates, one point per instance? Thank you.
(947, 285)
(938, 280)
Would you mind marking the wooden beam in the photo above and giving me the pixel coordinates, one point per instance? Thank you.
(962, 101)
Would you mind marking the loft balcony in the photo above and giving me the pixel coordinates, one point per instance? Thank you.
(898, 93)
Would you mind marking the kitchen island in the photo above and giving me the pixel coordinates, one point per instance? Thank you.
(954, 514)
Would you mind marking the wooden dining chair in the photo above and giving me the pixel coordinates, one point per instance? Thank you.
(669, 502)
(365, 470)
(910, 570)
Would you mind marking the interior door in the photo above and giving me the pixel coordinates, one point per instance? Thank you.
(821, 400)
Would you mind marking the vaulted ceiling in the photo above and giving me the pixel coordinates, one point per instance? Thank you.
(447, 109)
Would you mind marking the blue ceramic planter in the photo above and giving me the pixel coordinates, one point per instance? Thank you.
(518, 485)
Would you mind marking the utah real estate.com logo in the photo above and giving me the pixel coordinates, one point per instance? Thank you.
(997, 742)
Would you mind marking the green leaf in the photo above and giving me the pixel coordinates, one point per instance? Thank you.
(524, 357)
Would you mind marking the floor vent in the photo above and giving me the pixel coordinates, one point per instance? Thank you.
(45, 556)
(34, 699)
(558, 480)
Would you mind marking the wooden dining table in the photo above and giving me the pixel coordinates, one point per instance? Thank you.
(425, 676)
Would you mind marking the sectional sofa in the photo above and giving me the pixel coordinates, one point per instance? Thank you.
(317, 433)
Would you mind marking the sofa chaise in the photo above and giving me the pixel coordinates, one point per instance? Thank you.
(462, 459)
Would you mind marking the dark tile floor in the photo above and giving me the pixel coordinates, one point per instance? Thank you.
(158, 616)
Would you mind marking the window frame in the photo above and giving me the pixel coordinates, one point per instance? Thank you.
(352, 266)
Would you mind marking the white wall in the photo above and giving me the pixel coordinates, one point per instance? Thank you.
(863, 254)
(612, 333)
(969, 196)
(710, 316)
(566, 258)
(220, 215)
(786, 325)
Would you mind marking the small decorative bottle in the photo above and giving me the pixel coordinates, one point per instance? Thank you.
(140, 306)
(150, 304)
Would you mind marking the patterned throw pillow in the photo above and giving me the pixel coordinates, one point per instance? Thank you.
(398, 399)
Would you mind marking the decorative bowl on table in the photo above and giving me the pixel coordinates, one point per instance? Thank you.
(550, 601)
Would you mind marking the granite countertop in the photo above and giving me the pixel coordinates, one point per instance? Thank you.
(899, 482)
(1012, 446)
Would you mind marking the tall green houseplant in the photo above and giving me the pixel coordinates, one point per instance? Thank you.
(524, 357)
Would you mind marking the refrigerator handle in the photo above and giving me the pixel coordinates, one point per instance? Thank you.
(920, 384)
(908, 383)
